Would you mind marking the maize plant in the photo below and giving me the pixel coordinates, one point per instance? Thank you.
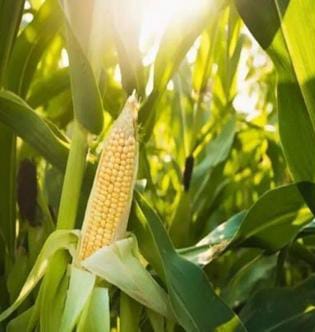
(157, 165)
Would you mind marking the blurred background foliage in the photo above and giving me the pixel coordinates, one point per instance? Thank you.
(209, 135)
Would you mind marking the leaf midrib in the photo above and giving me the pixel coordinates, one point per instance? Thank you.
(270, 224)
(285, 321)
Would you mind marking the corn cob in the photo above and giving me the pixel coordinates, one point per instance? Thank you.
(109, 203)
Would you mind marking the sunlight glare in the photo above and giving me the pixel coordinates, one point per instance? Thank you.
(158, 14)
(117, 74)
(64, 60)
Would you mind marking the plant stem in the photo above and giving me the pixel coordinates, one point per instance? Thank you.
(73, 178)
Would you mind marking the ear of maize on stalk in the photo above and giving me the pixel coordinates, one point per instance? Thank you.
(109, 203)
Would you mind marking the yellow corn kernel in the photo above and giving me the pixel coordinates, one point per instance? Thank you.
(109, 203)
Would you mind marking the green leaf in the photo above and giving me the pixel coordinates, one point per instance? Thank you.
(17, 275)
(58, 240)
(7, 189)
(119, 264)
(309, 229)
(181, 221)
(216, 151)
(157, 321)
(206, 196)
(307, 189)
(202, 65)
(30, 46)
(96, 314)
(208, 180)
(87, 102)
(53, 293)
(80, 289)
(282, 309)
(279, 26)
(10, 17)
(246, 280)
(182, 112)
(148, 248)
(273, 228)
(260, 226)
(215, 242)
(224, 232)
(16, 114)
(45, 88)
(194, 302)
(18, 323)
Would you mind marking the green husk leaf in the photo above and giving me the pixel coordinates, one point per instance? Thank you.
(119, 264)
(80, 289)
(96, 313)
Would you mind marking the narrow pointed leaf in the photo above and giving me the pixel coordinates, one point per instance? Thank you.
(194, 302)
(17, 115)
(87, 102)
(30, 46)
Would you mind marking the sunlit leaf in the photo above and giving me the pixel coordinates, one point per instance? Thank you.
(30, 46)
(46, 88)
(273, 228)
(10, 16)
(279, 26)
(126, 24)
(87, 100)
(173, 48)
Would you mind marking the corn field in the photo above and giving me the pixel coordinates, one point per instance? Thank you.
(157, 165)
